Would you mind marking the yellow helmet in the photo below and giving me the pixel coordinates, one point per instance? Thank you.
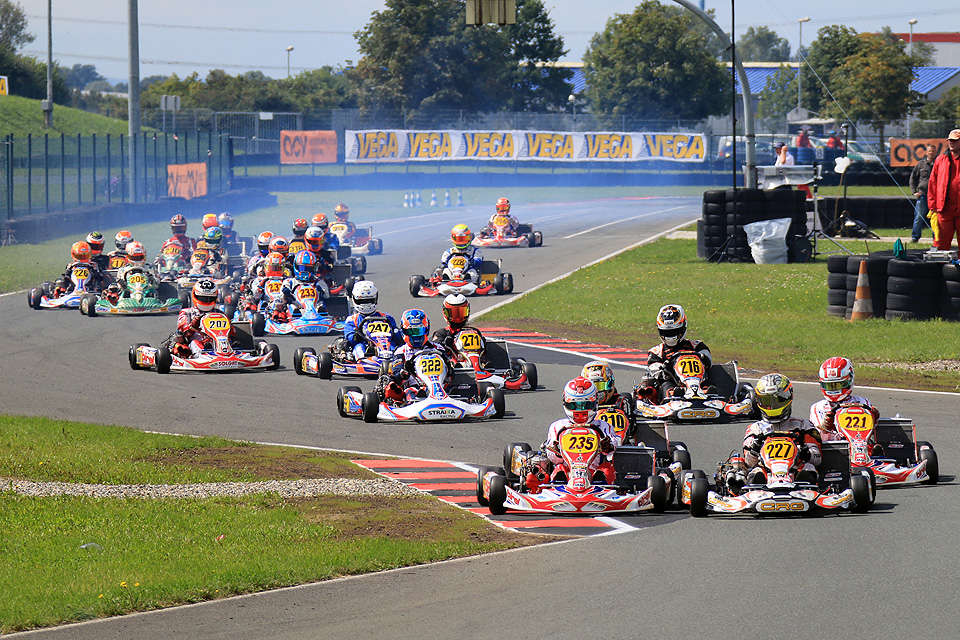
(601, 375)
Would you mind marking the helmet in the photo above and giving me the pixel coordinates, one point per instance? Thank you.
(80, 251)
(273, 265)
(836, 379)
(774, 395)
(503, 205)
(136, 253)
(833, 133)
(456, 309)
(225, 220)
(213, 236)
(210, 220)
(314, 238)
(415, 326)
(601, 375)
(178, 224)
(263, 242)
(279, 245)
(305, 265)
(95, 240)
(365, 296)
(299, 226)
(341, 212)
(123, 239)
(204, 295)
(671, 324)
(461, 236)
(320, 220)
(580, 400)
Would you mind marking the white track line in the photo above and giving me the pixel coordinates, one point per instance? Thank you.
(642, 215)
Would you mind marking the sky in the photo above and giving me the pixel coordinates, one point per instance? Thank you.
(183, 36)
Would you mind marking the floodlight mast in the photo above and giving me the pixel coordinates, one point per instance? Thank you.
(750, 170)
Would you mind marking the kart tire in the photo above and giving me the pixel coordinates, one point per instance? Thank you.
(872, 480)
(498, 495)
(498, 284)
(508, 459)
(539, 238)
(371, 406)
(132, 355)
(375, 246)
(46, 287)
(530, 370)
(258, 324)
(659, 494)
(482, 471)
(499, 402)
(699, 489)
(508, 282)
(34, 298)
(185, 300)
(230, 310)
(933, 465)
(275, 351)
(91, 300)
(682, 456)
(531, 240)
(164, 360)
(341, 405)
(416, 282)
(359, 265)
(298, 358)
(861, 493)
(325, 365)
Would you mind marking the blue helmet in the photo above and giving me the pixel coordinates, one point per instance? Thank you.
(415, 326)
(225, 220)
(305, 265)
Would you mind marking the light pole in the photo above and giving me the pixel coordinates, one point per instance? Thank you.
(289, 49)
(911, 22)
(800, 22)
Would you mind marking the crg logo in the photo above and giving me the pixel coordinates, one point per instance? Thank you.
(698, 414)
(774, 506)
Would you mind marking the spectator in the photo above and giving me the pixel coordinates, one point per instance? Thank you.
(803, 139)
(784, 157)
(834, 141)
(943, 192)
(919, 178)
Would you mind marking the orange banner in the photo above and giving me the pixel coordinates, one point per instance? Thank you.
(308, 147)
(187, 180)
(907, 153)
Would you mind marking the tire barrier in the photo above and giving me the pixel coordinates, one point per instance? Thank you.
(876, 212)
(720, 234)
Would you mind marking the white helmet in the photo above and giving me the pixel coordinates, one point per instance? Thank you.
(580, 400)
(365, 297)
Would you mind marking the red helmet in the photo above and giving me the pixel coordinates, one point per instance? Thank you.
(341, 212)
(210, 220)
(122, 239)
(263, 242)
(580, 400)
(279, 245)
(178, 224)
(320, 220)
(836, 379)
(299, 227)
(204, 295)
(503, 205)
(136, 252)
(461, 236)
(273, 265)
(95, 240)
(456, 309)
(80, 251)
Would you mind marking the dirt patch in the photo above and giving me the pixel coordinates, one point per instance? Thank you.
(631, 339)
(935, 365)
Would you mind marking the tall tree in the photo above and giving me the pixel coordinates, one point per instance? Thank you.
(834, 44)
(652, 64)
(763, 45)
(80, 75)
(13, 26)
(537, 86)
(323, 88)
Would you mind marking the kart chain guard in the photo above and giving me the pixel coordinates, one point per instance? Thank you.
(244, 335)
(633, 466)
(496, 355)
(895, 435)
(835, 464)
(337, 307)
(724, 378)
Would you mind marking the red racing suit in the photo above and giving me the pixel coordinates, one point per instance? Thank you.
(810, 438)
(602, 463)
(822, 412)
(189, 335)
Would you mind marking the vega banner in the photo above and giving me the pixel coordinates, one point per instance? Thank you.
(308, 147)
(401, 145)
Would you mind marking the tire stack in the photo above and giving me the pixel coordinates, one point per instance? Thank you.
(725, 212)
(950, 294)
(843, 272)
(712, 226)
(837, 285)
(913, 289)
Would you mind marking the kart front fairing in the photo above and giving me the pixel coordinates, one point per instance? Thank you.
(704, 408)
(429, 409)
(209, 360)
(781, 500)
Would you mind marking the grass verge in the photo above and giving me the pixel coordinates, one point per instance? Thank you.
(67, 559)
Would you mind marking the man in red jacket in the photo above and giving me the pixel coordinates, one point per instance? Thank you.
(943, 191)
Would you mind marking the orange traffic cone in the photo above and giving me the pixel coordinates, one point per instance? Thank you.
(863, 301)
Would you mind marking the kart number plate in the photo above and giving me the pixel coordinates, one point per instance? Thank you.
(377, 328)
(615, 418)
(138, 278)
(779, 449)
(855, 419)
(338, 228)
(296, 247)
(501, 221)
(117, 261)
(458, 262)
(274, 286)
(430, 365)
(690, 366)
(308, 293)
(80, 274)
(172, 250)
(216, 323)
(469, 340)
(579, 442)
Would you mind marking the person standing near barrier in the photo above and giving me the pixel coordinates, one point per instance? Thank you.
(943, 191)
(919, 178)
(784, 157)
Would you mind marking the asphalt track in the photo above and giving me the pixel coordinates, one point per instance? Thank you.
(891, 572)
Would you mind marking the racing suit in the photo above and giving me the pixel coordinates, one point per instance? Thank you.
(609, 443)
(753, 440)
(474, 262)
(290, 286)
(394, 385)
(511, 229)
(351, 229)
(64, 283)
(276, 307)
(189, 244)
(660, 382)
(189, 337)
(354, 340)
(822, 413)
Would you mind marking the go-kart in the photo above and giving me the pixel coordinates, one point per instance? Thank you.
(63, 294)
(171, 263)
(728, 398)
(201, 268)
(375, 330)
(492, 363)
(500, 235)
(226, 355)
(140, 296)
(641, 484)
(429, 397)
(308, 314)
(360, 242)
(456, 278)
(783, 490)
(898, 458)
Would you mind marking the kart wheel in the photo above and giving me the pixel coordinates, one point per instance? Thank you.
(132, 355)
(531, 240)
(872, 481)
(376, 246)
(933, 465)
(342, 402)
(508, 458)
(508, 283)
(861, 493)
(230, 310)
(348, 283)
(34, 298)
(530, 370)
(499, 402)
(498, 284)
(164, 360)
(360, 265)
(324, 365)
(699, 488)
(298, 358)
(498, 495)
(91, 302)
(482, 471)
(184, 299)
(46, 287)
(659, 494)
(258, 324)
(682, 456)
(371, 406)
(274, 350)
(415, 283)
(539, 237)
